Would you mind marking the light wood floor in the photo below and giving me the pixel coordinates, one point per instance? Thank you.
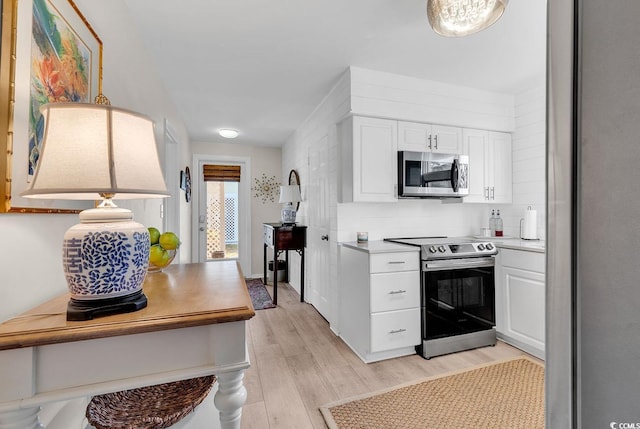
(298, 364)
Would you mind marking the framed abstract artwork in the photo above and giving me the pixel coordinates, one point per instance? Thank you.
(50, 54)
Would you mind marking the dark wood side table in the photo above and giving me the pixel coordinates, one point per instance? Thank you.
(282, 238)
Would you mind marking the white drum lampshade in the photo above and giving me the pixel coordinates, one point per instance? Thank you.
(100, 152)
(289, 194)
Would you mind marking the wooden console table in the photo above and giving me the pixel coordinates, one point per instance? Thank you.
(282, 238)
(194, 325)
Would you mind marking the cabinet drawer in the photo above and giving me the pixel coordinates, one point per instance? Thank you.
(268, 235)
(396, 261)
(524, 260)
(395, 329)
(395, 291)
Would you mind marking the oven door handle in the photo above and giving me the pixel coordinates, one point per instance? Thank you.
(455, 264)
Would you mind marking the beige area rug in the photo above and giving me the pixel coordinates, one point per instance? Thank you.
(500, 395)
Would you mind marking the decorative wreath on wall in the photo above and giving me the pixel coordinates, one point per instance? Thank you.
(265, 188)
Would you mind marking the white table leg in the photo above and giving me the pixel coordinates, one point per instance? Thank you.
(230, 398)
(21, 419)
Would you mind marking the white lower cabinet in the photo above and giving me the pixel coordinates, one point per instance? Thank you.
(520, 299)
(392, 330)
(379, 315)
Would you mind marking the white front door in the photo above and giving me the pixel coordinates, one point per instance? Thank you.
(317, 286)
(199, 212)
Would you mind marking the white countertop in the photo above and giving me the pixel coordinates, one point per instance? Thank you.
(380, 246)
(518, 244)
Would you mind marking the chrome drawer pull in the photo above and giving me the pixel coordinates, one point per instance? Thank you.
(394, 292)
(396, 262)
(397, 331)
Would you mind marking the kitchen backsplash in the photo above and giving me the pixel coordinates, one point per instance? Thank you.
(409, 218)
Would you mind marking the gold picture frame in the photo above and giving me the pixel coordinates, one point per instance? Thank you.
(29, 77)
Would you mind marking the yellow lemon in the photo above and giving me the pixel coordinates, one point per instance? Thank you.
(169, 241)
(158, 256)
(154, 235)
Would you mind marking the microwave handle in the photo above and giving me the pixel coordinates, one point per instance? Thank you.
(455, 175)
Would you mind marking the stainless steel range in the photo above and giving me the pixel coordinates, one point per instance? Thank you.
(457, 289)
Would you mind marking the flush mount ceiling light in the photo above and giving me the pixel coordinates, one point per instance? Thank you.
(228, 133)
(456, 18)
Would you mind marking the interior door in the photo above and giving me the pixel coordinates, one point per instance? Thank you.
(317, 286)
(171, 205)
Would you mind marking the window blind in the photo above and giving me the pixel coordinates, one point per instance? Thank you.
(221, 173)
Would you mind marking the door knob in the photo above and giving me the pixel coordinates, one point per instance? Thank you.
(325, 237)
(202, 228)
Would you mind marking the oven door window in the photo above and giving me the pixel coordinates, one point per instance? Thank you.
(458, 301)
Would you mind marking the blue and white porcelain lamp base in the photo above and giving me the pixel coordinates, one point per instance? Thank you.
(105, 260)
(288, 214)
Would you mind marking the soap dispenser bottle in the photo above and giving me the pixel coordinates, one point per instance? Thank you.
(498, 225)
(492, 223)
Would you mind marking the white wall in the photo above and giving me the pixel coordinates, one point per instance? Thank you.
(295, 155)
(30, 258)
(529, 158)
(267, 160)
(387, 95)
(130, 81)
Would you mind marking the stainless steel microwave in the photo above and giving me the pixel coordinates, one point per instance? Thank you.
(428, 174)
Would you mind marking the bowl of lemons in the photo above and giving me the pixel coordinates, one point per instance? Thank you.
(164, 247)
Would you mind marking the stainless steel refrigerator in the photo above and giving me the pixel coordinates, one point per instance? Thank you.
(593, 236)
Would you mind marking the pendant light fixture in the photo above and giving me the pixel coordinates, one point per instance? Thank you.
(456, 18)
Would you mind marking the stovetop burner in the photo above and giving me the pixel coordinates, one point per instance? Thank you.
(448, 247)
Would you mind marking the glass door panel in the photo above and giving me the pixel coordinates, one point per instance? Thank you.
(222, 220)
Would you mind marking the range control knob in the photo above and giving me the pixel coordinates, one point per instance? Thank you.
(433, 249)
(489, 246)
(442, 249)
(480, 246)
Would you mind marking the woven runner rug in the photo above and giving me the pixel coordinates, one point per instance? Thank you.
(504, 395)
(260, 297)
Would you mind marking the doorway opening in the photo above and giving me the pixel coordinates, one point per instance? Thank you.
(222, 211)
(235, 173)
(222, 220)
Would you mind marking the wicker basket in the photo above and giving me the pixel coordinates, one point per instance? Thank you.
(152, 407)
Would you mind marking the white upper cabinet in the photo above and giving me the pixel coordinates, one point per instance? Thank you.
(369, 149)
(501, 167)
(490, 166)
(418, 137)
(476, 147)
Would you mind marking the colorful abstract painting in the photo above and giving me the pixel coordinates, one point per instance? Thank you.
(60, 69)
